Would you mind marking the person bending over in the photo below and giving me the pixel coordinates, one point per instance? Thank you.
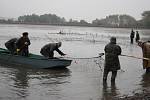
(11, 45)
(48, 50)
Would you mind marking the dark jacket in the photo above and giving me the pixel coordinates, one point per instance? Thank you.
(48, 49)
(111, 57)
(132, 34)
(21, 43)
(137, 37)
(11, 44)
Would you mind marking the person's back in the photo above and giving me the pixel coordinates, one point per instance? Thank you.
(137, 36)
(48, 50)
(132, 36)
(111, 56)
(11, 45)
(111, 59)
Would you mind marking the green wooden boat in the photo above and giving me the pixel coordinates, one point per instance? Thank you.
(34, 61)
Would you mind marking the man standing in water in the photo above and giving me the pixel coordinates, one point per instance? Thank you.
(112, 64)
(146, 54)
(132, 36)
(137, 38)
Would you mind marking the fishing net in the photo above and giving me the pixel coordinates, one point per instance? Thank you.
(93, 64)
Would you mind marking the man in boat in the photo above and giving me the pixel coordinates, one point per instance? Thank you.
(112, 64)
(146, 54)
(11, 45)
(48, 50)
(23, 44)
(132, 36)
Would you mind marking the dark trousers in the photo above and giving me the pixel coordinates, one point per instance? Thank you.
(148, 70)
(47, 54)
(24, 52)
(11, 48)
(131, 40)
(113, 76)
(51, 54)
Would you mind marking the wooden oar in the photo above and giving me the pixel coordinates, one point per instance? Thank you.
(136, 57)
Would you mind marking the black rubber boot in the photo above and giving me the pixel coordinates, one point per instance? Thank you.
(148, 70)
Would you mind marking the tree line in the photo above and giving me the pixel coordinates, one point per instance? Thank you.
(124, 21)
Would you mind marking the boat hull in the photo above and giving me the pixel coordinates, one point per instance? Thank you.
(34, 61)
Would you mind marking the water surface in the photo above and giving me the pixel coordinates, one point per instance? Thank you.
(83, 79)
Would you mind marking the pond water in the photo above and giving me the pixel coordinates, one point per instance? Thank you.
(82, 80)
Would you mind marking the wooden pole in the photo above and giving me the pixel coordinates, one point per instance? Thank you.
(136, 57)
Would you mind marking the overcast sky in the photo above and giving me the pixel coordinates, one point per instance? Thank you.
(75, 9)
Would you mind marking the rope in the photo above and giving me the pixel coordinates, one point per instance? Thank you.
(135, 57)
(81, 58)
(97, 63)
(100, 55)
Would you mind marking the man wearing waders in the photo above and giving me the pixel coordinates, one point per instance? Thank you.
(137, 38)
(146, 54)
(132, 36)
(112, 64)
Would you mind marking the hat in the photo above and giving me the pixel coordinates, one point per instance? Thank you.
(58, 44)
(113, 39)
(25, 33)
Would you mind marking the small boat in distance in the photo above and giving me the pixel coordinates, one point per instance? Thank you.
(33, 61)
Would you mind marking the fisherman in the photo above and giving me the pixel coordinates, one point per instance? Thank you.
(48, 50)
(112, 64)
(146, 54)
(137, 38)
(22, 44)
(11, 45)
(132, 36)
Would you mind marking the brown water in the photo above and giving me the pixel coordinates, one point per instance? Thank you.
(83, 79)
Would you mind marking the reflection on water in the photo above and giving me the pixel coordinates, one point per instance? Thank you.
(145, 82)
(109, 93)
(24, 82)
(21, 82)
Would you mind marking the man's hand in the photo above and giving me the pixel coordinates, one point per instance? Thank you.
(63, 54)
(18, 50)
(26, 43)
